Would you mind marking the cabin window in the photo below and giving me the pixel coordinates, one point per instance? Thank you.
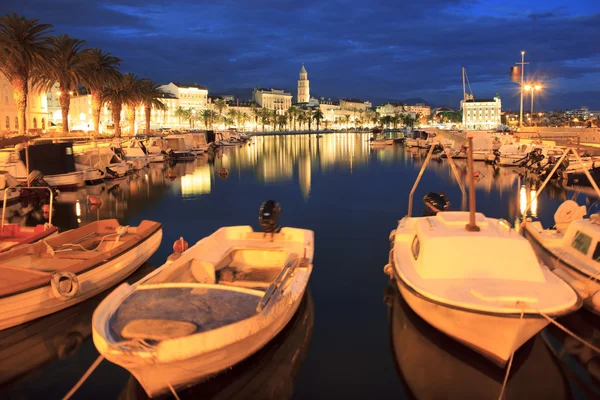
(582, 242)
(596, 255)
(35, 123)
(16, 122)
(7, 122)
(416, 247)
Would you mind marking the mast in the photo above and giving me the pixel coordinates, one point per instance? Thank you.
(464, 88)
(472, 225)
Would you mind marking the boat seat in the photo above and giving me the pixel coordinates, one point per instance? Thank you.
(157, 329)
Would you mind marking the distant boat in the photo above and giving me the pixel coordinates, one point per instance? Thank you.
(222, 300)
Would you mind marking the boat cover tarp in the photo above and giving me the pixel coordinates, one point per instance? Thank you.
(50, 158)
(204, 307)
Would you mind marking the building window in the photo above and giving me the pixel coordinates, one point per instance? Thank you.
(16, 122)
(7, 122)
(43, 123)
(34, 123)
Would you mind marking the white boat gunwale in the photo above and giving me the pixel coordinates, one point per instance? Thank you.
(527, 314)
(112, 257)
(528, 235)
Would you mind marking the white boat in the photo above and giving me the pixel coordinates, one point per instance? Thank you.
(91, 176)
(221, 301)
(103, 159)
(571, 250)
(66, 269)
(459, 373)
(54, 160)
(200, 144)
(451, 278)
(148, 152)
(176, 147)
(382, 142)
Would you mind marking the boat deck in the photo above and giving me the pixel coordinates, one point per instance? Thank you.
(206, 308)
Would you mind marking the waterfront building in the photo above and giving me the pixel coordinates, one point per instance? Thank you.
(189, 96)
(273, 99)
(419, 109)
(303, 86)
(481, 114)
(36, 114)
(354, 104)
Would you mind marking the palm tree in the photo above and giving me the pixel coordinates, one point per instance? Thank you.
(220, 105)
(24, 53)
(232, 114)
(68, 65)
(318, 116)
(394, 120)
(301, 119)
(181, 113)
(347, 121)
(208, 117)
(116, 94)
(151, 93)
(256, 113)
(281, 121)
(293, 114)
(133, 85)
(103, 69)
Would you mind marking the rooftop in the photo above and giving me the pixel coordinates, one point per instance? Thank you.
(188, 85)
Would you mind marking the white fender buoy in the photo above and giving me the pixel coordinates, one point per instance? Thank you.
(388, 270)
(65, 285)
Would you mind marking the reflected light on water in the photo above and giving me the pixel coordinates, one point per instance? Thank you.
(197, 183)
(78, 208)
(525, 197)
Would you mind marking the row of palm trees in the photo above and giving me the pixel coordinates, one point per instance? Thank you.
(32, 59)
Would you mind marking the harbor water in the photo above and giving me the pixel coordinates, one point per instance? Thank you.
(353, 336)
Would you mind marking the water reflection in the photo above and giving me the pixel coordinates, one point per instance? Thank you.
(267, 375)
(580, 363)
(434, 366)
(44, 342)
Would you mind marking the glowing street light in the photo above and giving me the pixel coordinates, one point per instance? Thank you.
(533, 89)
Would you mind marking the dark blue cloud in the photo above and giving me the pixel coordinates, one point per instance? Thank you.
(381, 49)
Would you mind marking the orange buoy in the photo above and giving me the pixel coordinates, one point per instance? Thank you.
(94, 201)
(180, 246)
(46, 210)
(171, 176)
(223, 173)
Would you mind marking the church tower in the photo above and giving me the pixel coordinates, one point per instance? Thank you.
(303, 86)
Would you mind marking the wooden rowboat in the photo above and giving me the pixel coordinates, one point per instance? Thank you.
(221, 301)
(57, 272)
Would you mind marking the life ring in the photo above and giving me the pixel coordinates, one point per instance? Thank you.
(57, 290)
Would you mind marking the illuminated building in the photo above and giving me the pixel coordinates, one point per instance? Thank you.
(273, 99)
(481, 114)
(36, 114)
(303, 86)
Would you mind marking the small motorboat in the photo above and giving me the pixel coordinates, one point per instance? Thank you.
(459, 372)
(13, 235)
(475, 279)
(209, 307)
(571, 250)
(58, 272)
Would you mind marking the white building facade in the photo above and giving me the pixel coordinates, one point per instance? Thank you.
(36, 114)
(273, 99)
(481, 114)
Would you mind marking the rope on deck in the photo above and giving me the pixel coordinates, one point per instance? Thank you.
(512, 355)
(173, 391)
(84, 377)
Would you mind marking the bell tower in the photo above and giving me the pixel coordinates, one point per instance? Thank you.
(303, 86)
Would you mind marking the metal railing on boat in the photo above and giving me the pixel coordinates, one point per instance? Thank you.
(283, 276)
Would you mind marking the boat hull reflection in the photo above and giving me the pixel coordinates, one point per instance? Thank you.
(268, 374)
(434, 366)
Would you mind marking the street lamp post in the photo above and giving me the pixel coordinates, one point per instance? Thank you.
(533, 89)
(522, 64)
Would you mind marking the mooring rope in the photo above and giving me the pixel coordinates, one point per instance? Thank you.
(563, 328)
(512, 355)
(173, 391)
(84, 377)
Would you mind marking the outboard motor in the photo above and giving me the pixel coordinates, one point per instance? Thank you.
(36, 178)
(268, 217)
(435, 203)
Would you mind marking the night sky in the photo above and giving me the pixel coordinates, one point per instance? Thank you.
(374, 50)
